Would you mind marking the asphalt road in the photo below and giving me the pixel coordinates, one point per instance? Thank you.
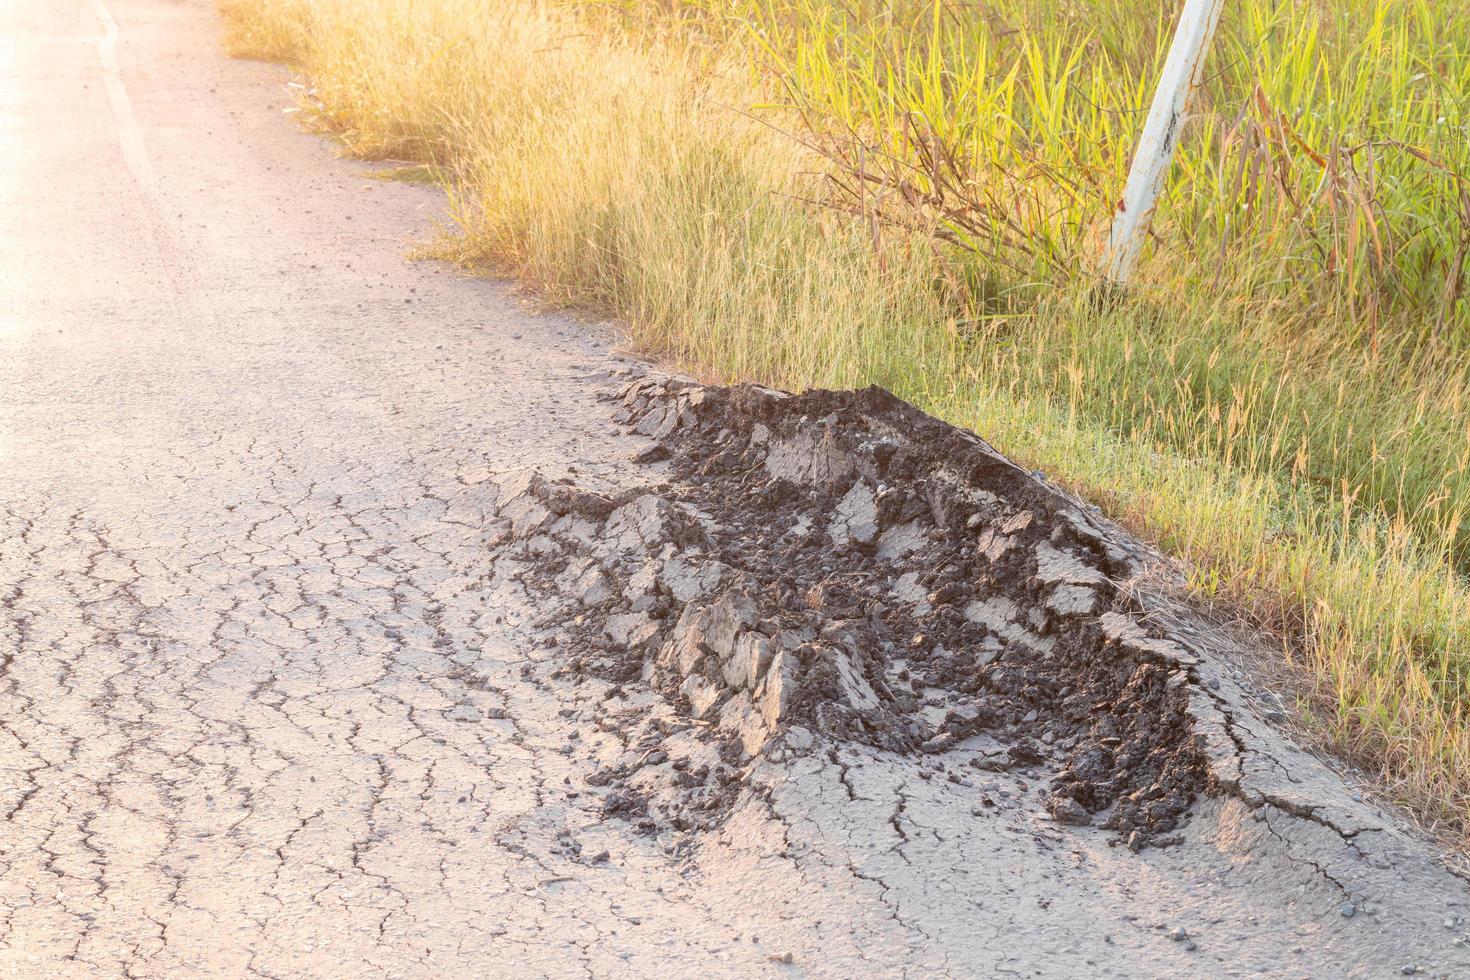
(262, 706)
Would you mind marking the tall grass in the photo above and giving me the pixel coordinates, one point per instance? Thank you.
(804, 193)
(1326, 153)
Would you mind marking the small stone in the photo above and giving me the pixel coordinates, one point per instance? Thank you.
(1348, 910)
(1409, 969)
(601, 857)
(1177, 934)
(1068, 811)
(938, 743)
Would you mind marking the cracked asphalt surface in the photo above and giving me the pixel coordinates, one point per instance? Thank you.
(262, 701)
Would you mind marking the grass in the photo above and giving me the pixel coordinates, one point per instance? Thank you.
(807, 192)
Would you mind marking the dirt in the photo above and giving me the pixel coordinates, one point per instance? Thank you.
(841, 564)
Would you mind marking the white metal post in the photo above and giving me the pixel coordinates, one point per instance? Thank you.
(1183, 70)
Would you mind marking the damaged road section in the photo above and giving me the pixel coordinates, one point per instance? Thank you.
(836, 592)
(840, 564)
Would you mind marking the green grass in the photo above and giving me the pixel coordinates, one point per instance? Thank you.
(807, 193)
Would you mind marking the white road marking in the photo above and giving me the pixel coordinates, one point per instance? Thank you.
(135, 154)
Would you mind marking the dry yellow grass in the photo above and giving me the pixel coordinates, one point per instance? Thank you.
(624, 169)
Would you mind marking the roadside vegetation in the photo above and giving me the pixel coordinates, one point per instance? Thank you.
(915, 194)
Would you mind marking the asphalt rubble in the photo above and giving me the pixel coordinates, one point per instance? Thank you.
(795, 574)
(841, 566)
